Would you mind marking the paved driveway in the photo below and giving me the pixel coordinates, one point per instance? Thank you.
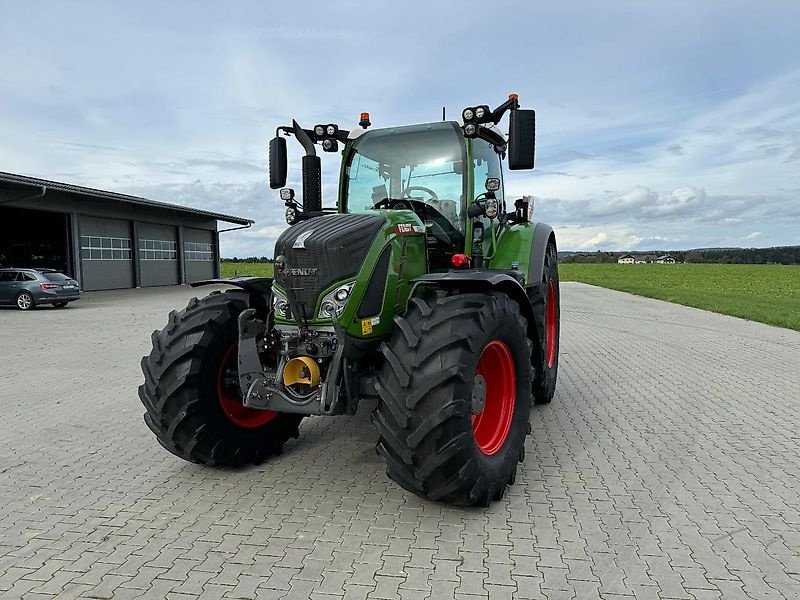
(667, 467)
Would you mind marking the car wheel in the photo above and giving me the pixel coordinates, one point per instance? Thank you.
(25, 301)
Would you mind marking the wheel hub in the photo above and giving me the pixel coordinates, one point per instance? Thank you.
(494, 388)
(551, 324)
(478, 394)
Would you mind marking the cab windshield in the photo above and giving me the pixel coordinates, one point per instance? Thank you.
(420, 168)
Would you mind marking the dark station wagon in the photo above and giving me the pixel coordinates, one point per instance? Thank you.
(28, 288)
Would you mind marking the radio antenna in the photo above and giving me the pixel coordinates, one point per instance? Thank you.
(443, 114)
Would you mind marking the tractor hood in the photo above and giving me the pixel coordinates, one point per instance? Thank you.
(322, 251)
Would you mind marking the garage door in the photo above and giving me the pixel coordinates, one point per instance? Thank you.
(158, 254)
(106, 254)
(198, 249)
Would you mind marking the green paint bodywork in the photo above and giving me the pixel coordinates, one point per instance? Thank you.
(512, 246)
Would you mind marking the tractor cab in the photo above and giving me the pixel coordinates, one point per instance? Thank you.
(431, 170)
(448, 174)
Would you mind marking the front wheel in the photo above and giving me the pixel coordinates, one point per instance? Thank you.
(455, 397)
(25, 301)
(191, 390)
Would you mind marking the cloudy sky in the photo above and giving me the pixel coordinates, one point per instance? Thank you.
(662, 125)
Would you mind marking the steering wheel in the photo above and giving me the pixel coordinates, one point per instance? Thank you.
(419, 188)
(428, 213)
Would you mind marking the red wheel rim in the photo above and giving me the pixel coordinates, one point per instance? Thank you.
(551, 324)
(491, 426)
(232, 406)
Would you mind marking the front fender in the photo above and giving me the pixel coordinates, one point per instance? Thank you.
(259, 290)
(484, 280)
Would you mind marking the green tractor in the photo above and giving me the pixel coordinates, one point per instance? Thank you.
(425, 292)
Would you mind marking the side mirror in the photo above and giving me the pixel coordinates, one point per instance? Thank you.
(278, 162)
(521, 139)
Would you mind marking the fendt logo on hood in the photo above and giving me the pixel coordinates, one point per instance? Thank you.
(282, 269)
(300, 242)
(303, 271)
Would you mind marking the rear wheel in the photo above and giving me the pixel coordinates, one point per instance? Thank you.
(455, 397)
(25, 301)
(546, 301)
(191, 391)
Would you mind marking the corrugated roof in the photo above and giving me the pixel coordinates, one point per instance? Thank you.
(86, 191)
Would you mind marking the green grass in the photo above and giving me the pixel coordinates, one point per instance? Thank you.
(766, 293)
(230, 269)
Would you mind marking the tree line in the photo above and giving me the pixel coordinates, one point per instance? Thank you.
(782, 255)
(249, 259)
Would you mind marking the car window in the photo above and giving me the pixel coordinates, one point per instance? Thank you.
(28, 277)
(55, 277)
(8, 276)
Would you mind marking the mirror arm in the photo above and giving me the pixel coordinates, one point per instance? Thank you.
(510, 104)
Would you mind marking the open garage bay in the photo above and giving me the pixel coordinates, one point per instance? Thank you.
(666, 467)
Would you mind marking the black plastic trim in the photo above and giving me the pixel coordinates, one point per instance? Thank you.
(372, 301)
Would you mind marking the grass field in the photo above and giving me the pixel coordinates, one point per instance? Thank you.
(230, 269)
(766, 293)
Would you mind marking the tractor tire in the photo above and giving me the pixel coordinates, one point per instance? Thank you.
(191, 391)
(546, 301)
(455, 397)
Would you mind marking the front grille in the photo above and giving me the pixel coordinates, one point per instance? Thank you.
(334, 245)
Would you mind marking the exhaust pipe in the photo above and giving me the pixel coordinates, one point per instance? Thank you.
(312, 172)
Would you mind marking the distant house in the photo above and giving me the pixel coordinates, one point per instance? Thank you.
(642, 259)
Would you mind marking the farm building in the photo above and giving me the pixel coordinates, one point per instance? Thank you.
(103, 239)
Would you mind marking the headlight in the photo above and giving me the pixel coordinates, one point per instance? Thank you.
(291, 215)
(342, 293)
(480, 112)
(330, 130)
(492, 208)
(280, 305)
(319, 131)
(333, 303)
(468, 114)
(470, 130)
